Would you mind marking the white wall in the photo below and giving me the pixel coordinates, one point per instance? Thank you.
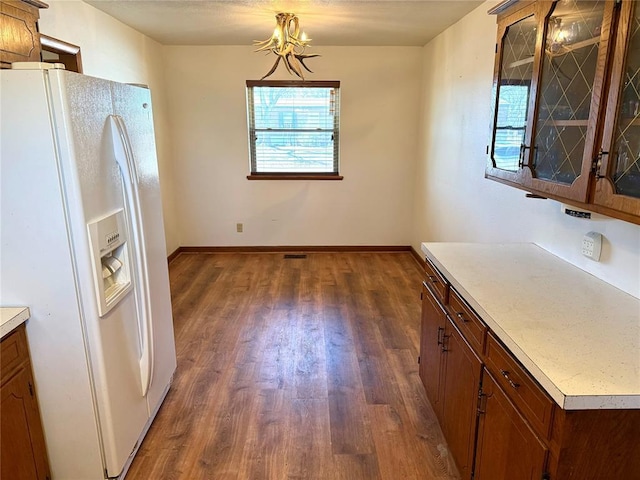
(112, 50)
(453, 202)
(379, 108)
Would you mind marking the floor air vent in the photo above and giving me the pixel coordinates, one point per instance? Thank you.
(295, 255)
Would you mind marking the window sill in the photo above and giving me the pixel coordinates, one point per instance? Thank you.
(293, 176)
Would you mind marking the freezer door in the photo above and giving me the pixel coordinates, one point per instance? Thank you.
(93, 187)
(36, 269)
(133, 105)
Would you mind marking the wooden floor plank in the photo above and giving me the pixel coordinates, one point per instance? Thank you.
(299, 368)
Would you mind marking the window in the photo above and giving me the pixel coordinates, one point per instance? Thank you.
(293, 129)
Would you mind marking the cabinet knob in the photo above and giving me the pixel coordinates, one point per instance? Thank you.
(433, 279)
(460, 315)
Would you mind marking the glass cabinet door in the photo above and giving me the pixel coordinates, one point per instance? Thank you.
(570, 86)
(513, 83)
(618, 174)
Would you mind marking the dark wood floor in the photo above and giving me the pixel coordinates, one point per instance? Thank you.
(295, 369)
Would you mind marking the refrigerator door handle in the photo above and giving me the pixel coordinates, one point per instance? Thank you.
(124, 157)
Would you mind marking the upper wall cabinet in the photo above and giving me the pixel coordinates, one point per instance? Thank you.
(19, 38)
(618, 165)
(566, 121)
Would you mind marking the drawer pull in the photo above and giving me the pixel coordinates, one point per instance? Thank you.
(460, 315)
(433, 278)
(440, 331)
(505, 374)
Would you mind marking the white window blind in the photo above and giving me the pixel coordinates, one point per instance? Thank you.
(293, 127)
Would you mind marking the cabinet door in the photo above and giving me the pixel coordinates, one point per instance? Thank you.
(513, 91)
(574, 59)
(431, 338)
(19, 39)
(23, 450)
(460, 387)
(618, 176)
(507, 447)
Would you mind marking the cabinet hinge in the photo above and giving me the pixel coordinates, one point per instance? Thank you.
(30, 389)
(421, 293)
(482, 402)
(496, 48)
(418, 359)
(487, 149)
(596, 165)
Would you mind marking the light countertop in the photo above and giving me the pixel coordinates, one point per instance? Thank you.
(578, 336)
(12, 317)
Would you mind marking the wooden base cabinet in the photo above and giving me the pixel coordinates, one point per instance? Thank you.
(499, 423)
(433, 323)
(460, 386)
(450, 372)
(507, 447)
(23, 454)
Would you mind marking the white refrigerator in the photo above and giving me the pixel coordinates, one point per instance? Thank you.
(82, 245)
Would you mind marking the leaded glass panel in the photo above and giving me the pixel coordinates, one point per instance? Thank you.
(626, 147)
(565, 89)
(512, 94)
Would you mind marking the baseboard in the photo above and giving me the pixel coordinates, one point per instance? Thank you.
(173, 256)
(296, 248)
(418, 258)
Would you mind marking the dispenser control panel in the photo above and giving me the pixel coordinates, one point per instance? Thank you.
(111, 264)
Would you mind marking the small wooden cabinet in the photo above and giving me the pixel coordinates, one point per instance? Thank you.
(566, 121)
(19, 38)
(507, 446)
(21, 438)
(460, 385)
(433, 325)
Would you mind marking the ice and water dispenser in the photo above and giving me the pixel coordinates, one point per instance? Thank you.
(111, 267)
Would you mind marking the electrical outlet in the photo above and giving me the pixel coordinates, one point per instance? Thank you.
(592, 245)
(239, 227)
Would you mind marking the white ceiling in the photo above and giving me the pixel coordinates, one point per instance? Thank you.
(327, 22)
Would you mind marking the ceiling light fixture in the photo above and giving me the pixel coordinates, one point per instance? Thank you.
(288, 43)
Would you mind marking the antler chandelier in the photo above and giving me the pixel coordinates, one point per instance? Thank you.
(288, 44)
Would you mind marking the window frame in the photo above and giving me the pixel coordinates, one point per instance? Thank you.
(255, 175)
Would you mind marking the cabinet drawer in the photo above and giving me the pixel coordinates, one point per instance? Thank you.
(536, 406)
(473, 329)
(13, 351)
(436, 282)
